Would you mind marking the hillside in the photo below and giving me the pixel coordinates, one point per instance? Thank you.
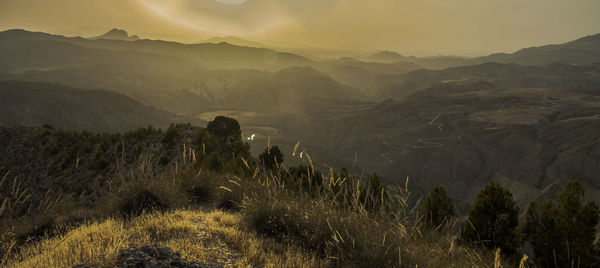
(36, 104)
(156, 75)
(87, 196)
(461, 136)
(208, 55)
(583, 78)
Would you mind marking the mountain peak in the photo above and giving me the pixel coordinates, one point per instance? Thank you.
(387, 56)
(118, 34)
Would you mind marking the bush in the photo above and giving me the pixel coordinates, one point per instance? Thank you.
(271, 158)
(143, 202)
(214, 162)
(170, 136)
(164, 160)
(230, 198)
(205, 142)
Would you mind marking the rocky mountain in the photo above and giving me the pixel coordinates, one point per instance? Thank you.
(118, 34)
(36, 104)
(207, 55)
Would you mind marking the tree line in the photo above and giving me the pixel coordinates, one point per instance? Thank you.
(561, 232)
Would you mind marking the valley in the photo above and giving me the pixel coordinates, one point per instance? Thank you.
(526, 119)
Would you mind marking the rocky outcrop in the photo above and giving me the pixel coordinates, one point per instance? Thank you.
(151, 257)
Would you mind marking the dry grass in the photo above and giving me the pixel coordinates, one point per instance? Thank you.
(277, 222)
(214, 237)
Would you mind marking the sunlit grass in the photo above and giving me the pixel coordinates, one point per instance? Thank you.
(213, 237)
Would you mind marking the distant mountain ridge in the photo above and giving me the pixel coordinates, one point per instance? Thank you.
(234, 41)
(387, 56)
(118, 34)
(207, 55)
(585, 50)
(35, 104)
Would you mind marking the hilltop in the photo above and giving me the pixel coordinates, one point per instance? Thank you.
(118, 34)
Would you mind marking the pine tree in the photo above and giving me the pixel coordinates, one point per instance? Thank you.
(493, 220)
(438, 208)
(543, 231)
(564, 234)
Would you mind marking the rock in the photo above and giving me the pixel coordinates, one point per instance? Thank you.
(151, 257)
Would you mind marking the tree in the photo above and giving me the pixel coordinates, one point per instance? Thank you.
(227, 131)
(225, 128)
(438, 208)
(543, 231)
(493, 220)
(271, 158)
(563, 234)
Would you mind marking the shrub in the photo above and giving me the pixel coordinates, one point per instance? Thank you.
(143, 201)
(205, 142)
(199, 189)
(214, 162)
(170, 136)
(271, 158)
(230, 198)
(164, 160)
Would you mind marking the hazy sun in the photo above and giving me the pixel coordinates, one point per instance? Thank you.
(220, 17)
(231, 2)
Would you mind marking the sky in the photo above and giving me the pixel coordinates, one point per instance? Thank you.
(417, 27)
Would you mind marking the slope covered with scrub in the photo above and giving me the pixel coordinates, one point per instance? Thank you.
(199, 192)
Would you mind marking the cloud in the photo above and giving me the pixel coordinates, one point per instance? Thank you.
(455, 26)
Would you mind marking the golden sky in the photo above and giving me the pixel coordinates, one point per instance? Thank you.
(461, 27)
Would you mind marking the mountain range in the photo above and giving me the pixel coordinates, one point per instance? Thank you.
(527, 119)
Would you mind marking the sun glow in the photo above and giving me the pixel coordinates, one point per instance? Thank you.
(231, 2)
(220, 17)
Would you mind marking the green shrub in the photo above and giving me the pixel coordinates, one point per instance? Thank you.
(170, 136)
(214, 162)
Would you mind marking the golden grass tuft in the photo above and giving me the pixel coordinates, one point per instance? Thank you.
(213, 237)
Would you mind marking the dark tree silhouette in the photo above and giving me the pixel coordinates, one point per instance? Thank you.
(438, 208)
(493, 220)
(227, 132)
(225, 128)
